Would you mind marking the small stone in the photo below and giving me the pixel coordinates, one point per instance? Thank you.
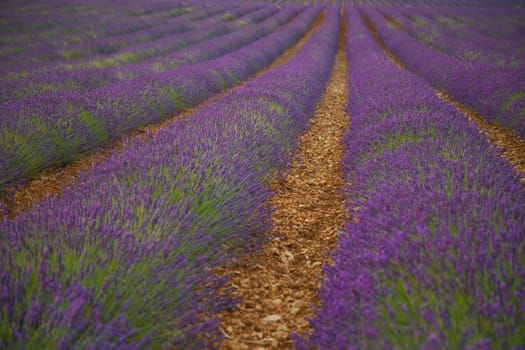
(272, 318)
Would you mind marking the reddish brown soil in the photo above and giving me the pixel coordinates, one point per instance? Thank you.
(511, 146)
(53, 181)
(278, 285)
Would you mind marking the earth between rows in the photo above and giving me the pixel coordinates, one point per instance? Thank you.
(277, 287)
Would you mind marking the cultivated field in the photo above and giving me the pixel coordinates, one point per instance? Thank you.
(186, 174)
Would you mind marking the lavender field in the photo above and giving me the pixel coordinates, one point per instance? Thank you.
(193, 112)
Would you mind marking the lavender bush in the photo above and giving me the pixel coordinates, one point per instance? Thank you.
(463, 43)
(88, 78)
(124, 259)
(116, 35)
(433, 255)
(52, 128)
(62, 61)
(495, 92)
(126, 42)
(500, 23)
(140, 52)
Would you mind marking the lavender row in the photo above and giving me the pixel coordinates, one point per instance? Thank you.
(102, 27)
(133, 14)
(208, 28)
(433, 254)
(71, 45)
(65, 48)
(140, 52)
(490, 21)
(125, 258)
(217, 15)
(80, 26)
(214, 47)
(468, 47)
(492, 28)
(83, 79)
(496, 92)
(46, 130)
(93, 29)
(462, 41)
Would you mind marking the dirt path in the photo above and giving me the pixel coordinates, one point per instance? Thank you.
(277, 286)
(512, 147)
(53, 181)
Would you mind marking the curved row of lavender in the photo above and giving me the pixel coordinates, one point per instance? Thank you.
(189, 21)
(53, 43)
(100, 48)
(496, 92)
(47, 130)
(464, 44)
(62, 61)
(52, 17)
(54, 26)
(490, 21)
(497, 29)
(82, 79)
(232, 19)
(433, 254)
(125, 259)
(140, 52)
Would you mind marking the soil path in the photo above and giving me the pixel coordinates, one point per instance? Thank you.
(512, 147)
(53, 181)
(278, 285)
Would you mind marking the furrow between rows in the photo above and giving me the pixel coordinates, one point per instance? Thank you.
(278, 285)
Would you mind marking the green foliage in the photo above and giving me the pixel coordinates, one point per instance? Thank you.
(95, 126)
(228, 16)
(512, 98)
(72, 54)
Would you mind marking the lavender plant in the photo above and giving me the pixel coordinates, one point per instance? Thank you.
(124, 259)
(53, 128)
(464, 44)
(88, 78)
(68, 41)
(496, 92)
(67, 59)
(149, 49)
(432, 256)
(501, 23)
(91, 49)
